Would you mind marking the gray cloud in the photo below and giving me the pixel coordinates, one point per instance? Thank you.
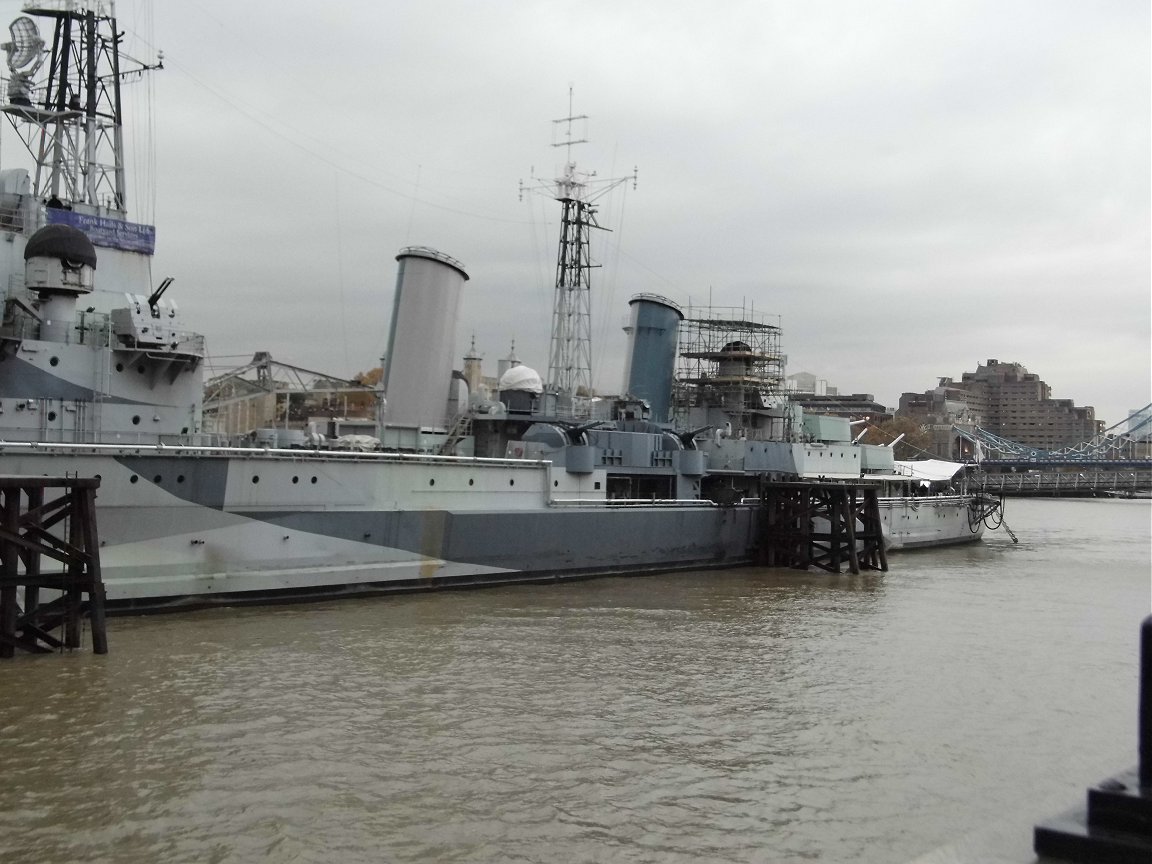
(912, 187)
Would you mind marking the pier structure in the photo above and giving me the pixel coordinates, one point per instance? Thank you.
(53, 517)
(822, 525)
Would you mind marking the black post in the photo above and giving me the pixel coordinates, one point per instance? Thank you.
(1144, 731)
(1116, 826)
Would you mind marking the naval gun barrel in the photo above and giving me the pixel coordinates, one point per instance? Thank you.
(575, 433)
(688, 439)
(154, 298)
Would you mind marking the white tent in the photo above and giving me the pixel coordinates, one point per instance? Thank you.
(933, 470)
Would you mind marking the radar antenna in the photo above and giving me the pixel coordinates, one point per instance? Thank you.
(25, 56)
(71, 123)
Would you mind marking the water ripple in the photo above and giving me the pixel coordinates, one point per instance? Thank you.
(735, 716)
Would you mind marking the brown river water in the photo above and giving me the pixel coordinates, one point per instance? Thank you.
(933, 713)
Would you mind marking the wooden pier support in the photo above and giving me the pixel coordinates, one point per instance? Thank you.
(824, 525)
(62, 528)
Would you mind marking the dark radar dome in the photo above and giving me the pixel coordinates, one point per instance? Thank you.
(62, 242)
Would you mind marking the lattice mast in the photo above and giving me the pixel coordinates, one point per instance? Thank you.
(570, 353)
(71, 124)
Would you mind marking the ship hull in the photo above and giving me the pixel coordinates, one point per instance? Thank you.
(924, 522)
(187, 530)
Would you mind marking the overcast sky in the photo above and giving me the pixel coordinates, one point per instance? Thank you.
(913, 187)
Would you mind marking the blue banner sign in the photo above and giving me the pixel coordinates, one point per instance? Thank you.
(103, 231)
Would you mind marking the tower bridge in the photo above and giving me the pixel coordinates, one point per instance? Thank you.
(1112, 462)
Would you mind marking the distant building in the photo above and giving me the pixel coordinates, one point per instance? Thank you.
(1140, 423)
(854, 406)
(806, 382)
(1006, 400)
(816, 397)
(938, 410)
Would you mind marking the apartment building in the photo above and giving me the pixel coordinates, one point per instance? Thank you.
(1007, 400)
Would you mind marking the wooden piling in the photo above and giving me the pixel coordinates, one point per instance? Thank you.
(823, 525)
(62, 528)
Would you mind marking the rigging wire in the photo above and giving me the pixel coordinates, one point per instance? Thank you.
(340, 267)
(544, 296)
(682, 296)
(293, 138)
(602, 304)
(608, 301)
(412, 209)
(142, 135)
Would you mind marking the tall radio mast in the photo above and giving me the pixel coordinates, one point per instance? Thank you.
(570, 355)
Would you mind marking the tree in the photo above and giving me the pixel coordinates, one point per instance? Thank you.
(916, 443)
(364, 403)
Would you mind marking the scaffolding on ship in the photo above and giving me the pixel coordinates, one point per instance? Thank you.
(728, 358)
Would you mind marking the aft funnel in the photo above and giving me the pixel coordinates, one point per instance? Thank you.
(652, 342)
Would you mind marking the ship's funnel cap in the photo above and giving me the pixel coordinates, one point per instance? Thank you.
(63, 242)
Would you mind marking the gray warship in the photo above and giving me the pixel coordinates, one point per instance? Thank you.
(536, 479)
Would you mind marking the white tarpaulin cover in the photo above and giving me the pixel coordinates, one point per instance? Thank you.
(521, 378)
(929, 469)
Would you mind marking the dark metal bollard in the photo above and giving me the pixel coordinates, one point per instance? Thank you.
(1144, 731)
(1116, 825)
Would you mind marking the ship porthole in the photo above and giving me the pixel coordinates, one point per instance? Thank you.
(140, 368)
(256, 478)
(157, 479)
(53, 361)
(555, 482)
(295, 479)
(119, 367)
(51, 416)
(470, 481)
(432, 482)
(511, 481)
(133, 479)
(179, 478)
(135, 419)
(313, 479)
